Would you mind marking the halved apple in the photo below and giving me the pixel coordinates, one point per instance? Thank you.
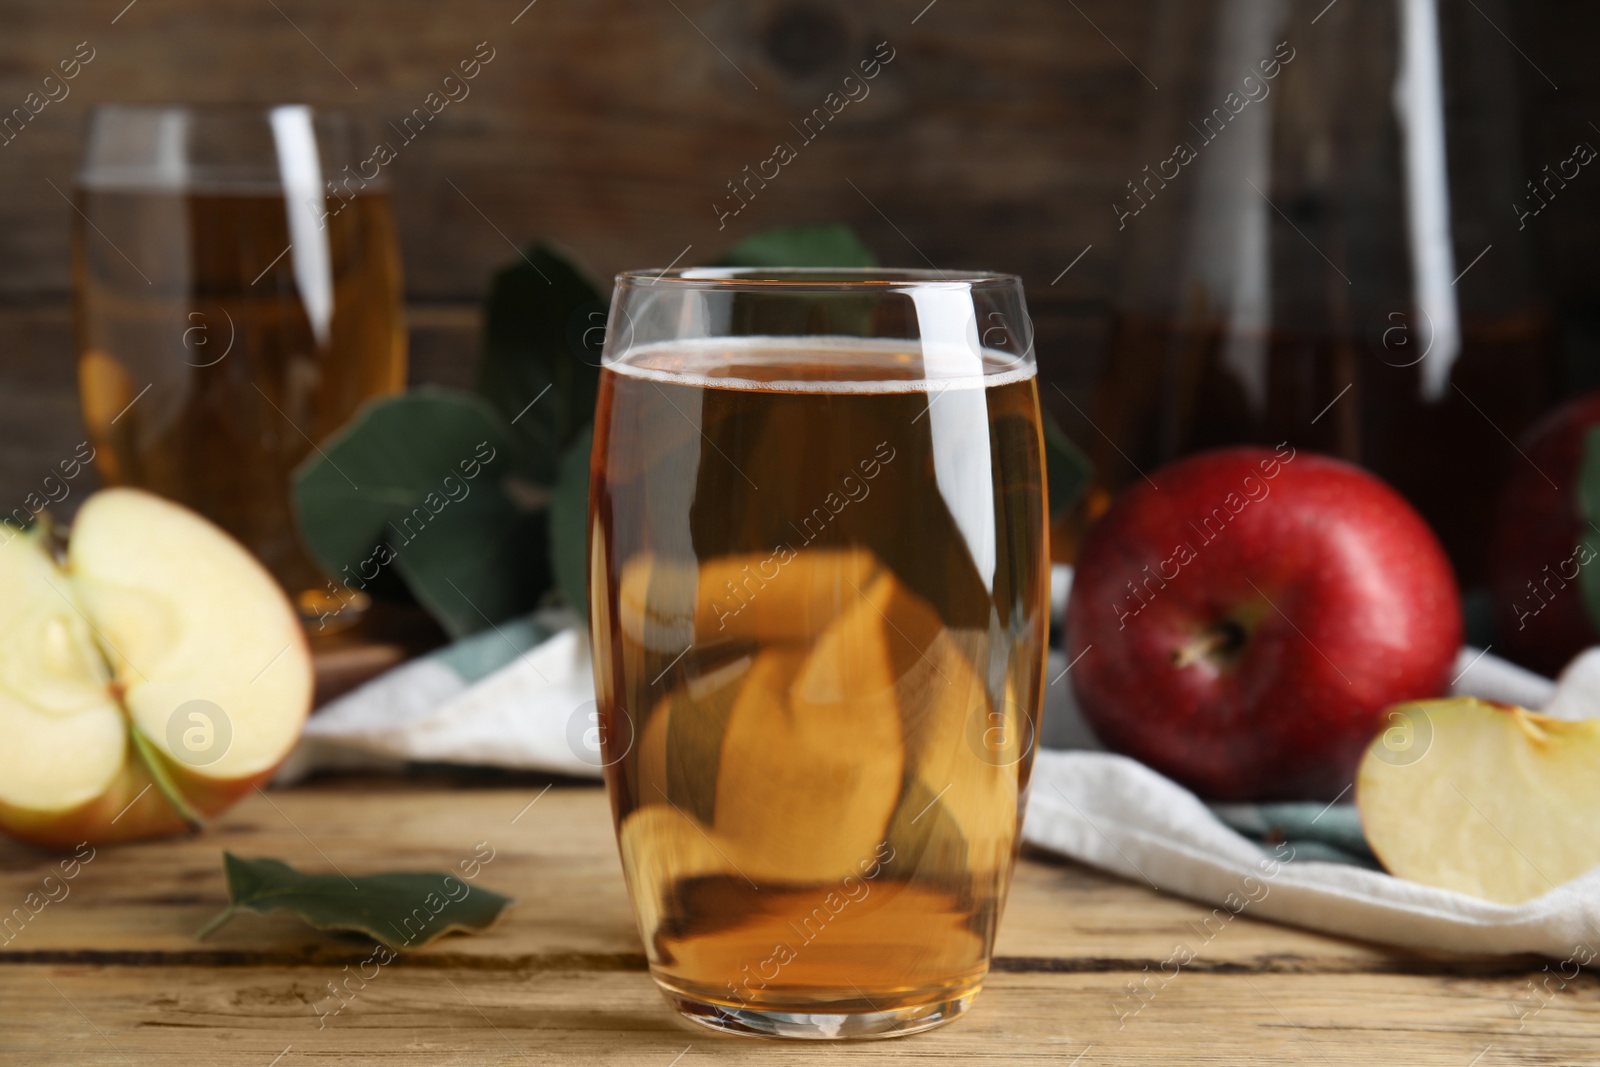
(150, 674)
(1486, 799)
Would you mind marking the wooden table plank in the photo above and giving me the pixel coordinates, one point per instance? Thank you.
(111, 973)
(559, 859)
(78, 1015)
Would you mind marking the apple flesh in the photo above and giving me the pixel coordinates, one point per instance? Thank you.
(1245, 616)
(1486, 799)
(149, 676)
(1534, 554)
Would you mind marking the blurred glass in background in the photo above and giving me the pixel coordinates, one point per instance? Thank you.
(1324, 249)
(238, 296)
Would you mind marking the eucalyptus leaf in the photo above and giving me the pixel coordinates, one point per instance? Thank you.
(401, 909)
(1589, 506)
(434, 483)
(1068, 472)
(783, 314)
(830, 245)
(569, 525)
(543, 325)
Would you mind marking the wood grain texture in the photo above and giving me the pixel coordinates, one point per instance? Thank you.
(998, 137)
(75, 1015)
(992, 138)
(111, 973)
(560, 858)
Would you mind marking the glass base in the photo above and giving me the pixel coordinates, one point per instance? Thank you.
(818, 1025)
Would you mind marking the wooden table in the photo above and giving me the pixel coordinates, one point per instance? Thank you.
(111, 974)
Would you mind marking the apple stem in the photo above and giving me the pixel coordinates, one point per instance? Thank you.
(162, 779)
(1222, 640)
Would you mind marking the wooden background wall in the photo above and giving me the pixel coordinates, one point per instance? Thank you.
(996, 138)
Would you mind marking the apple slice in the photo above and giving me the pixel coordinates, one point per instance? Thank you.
(147, 680)
(813, 758)
(665, 604)
(680, 747)
(1486, 799)
(662, 848)
(963, 751)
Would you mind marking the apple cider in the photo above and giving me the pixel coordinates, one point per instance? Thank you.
(819, 594)
(220, 334)
(1171, 389)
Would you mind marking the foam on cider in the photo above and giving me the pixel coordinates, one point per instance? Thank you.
(849, 364)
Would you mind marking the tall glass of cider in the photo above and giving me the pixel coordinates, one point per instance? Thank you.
(238, 297)
(819, 603)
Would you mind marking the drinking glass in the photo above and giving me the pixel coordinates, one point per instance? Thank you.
(238, 296)
(818, 597)
(1327, 241)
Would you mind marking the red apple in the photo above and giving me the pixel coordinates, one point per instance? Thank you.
(1245, 617)
(1534, 552)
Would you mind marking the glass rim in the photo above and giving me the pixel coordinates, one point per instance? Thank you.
(218, 107)
(229, 146)
(812, 279)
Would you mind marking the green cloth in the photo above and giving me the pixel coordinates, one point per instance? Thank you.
(475, 658)
(1328, 833)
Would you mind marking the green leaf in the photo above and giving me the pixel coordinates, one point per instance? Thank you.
(1589, 505)
(831, 245)
(786, 314)
(433, 483)
(569, 525)
(1068, 472)
(543, 324)
(401, 909)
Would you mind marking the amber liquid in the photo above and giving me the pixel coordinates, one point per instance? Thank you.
(210, 361)
(819, 595)
(1168, 392)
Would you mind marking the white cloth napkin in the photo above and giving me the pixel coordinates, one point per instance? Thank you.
(1114, 813)
(522, 696)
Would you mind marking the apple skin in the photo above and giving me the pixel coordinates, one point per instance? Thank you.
(1259, 669)
(1537, 527)
(246, 615)
(149, 816)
